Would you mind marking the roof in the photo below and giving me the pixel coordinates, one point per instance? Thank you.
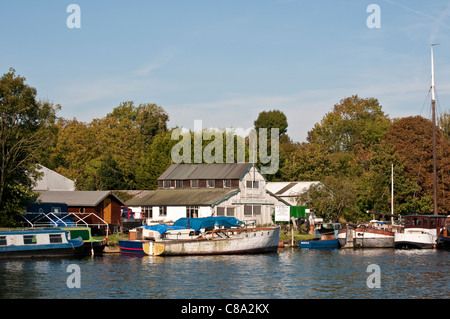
(206, 171)
(184, 197)
(76, 198)
(289, 189)
(51, 180)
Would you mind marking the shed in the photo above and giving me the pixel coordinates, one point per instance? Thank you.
(104, 204)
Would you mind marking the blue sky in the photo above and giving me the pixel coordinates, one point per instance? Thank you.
(223, 62)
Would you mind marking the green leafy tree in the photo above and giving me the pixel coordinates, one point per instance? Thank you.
(354, 124)
(332, 200)
(24, 128)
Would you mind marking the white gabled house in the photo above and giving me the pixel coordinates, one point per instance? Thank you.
(201, 190)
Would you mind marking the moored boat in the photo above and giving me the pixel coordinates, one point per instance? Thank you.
(130, 246)
(420, 232)
(443, 241)
(203, 236)
(91, 246)
(43, 242)
(375, 234)
(326, 237)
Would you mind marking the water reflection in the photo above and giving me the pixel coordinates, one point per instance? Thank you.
(290, 273)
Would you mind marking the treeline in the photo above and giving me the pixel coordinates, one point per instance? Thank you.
(350, 152)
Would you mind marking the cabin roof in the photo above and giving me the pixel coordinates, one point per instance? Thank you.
(76, 198)
(206, 171)
(184, 197)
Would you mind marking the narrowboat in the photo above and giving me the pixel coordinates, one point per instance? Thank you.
(91, 246)
(43, 242)
(420, 232)
(204, 236)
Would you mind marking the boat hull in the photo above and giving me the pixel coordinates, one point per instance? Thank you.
(333, 243)
(72, 249)
(415, 240)
(132, 246)
(366, 238)
(251, 241)
(443, 243)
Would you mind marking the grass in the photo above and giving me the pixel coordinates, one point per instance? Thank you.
(113, 240)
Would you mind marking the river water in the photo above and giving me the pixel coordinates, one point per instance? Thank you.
(292, 273)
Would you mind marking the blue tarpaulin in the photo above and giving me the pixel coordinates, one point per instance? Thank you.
(207, 222)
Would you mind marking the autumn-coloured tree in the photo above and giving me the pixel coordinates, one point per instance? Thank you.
(411, 139)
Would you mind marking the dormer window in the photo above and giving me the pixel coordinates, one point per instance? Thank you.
(252, 184)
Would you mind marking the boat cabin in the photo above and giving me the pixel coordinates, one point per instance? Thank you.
(425, 221)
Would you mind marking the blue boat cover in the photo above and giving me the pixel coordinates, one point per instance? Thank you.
(196, 223)
(206, 222)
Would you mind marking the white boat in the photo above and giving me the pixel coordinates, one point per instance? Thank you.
(420, 231)
(205, 236)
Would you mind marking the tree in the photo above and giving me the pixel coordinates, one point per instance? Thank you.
(24, 128)
(354, 124)
(332, 200)
(411, 139)
(272, 119)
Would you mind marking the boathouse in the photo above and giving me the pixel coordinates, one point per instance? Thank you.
(201, 190)
(103, 204)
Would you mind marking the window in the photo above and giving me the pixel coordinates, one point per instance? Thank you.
(178, 184)
(166, 184)
(225, 211)
(248, 210)
(252, 210)
(230, 211)
(220, 211)
(433, 222)
(408, 221)
(252, 184)
(162, 210)
(425, 222)
(2, 240)
(29, 239)
(194, 183)
(55, 238)
(210, 183)
(192, 211)
(56, 209)
(226, 183)
(417, 221)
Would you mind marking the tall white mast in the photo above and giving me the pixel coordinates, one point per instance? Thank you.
(392, 193)
(433, 103)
